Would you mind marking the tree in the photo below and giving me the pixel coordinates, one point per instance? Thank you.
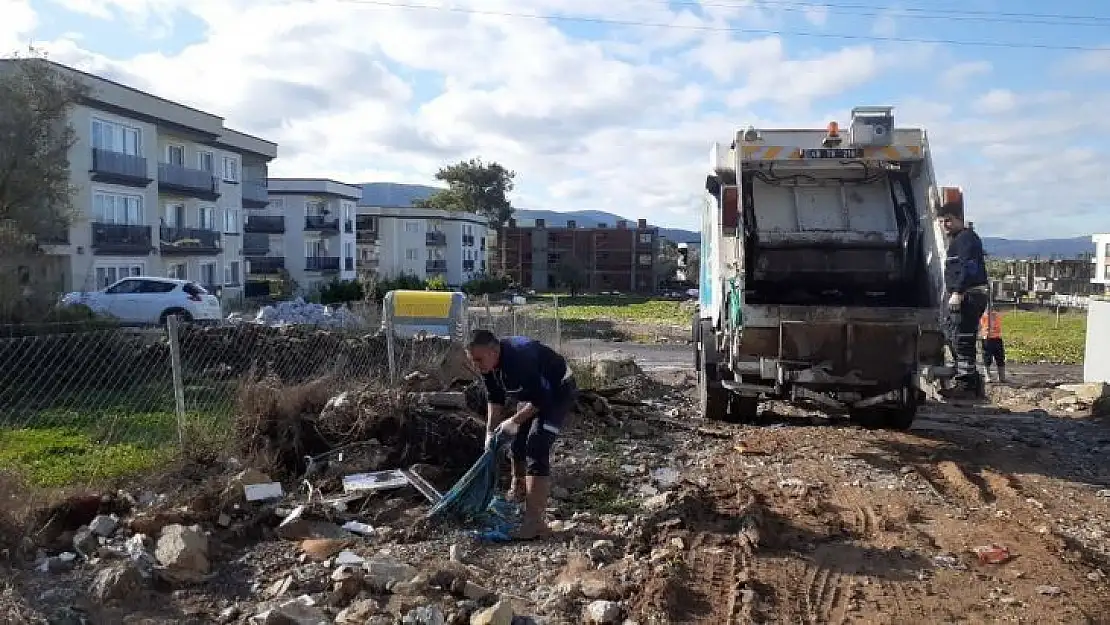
(693, 266)
(571, 275)
(36, 196)
(667, 260)
(474, 187)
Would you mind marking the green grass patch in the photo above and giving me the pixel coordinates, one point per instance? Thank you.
(626, 309)
(1036, 336)
(98, 436)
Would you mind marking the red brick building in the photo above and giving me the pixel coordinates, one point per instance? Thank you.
(618, 258)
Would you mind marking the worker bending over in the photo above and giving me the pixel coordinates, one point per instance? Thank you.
(965, 276)
(545, 391)
(990, 339)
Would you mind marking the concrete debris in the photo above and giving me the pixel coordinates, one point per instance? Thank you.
(299, 312)
(118, 583)
(183, 553)
(602, 613)
(611, 369)
(501, 613)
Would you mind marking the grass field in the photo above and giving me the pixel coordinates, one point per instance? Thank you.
(84, 440)
(1035, 336)
(635, 309)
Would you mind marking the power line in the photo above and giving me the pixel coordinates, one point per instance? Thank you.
(728, 29)
(930, 13)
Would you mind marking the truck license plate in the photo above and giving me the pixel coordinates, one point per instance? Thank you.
(833, 153)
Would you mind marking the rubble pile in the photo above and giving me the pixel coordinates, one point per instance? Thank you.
(1088, 399)
(299, 312)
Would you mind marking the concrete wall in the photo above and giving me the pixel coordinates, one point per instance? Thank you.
(1096, 361)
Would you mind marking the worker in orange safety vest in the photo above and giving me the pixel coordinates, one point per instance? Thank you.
(994, 350)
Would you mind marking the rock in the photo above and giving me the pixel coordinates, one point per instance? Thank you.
(183, 551)
(358, 613)
(1050, 591)
(425, 615)
(346, 584)
(56, 564)
(137, 551)
(601, 552)
(501, 613)
(637, 428)
(320, 549)
(228, 615)
(104, 525)
(475, 592)
(117, 583)
(280, 588)
(602, 613)
(1089, 392)
(611, 369)
(85, 542)
(299, 611)
(383, 571)
(152, 523)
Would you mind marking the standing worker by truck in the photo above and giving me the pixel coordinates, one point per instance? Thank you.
(994, 350)
(965, 276)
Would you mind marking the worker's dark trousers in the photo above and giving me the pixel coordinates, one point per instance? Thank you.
(994, 352)
(963, 331)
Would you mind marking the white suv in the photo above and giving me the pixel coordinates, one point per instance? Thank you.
(149, 300)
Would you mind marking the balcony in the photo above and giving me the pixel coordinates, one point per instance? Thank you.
(366, 222)
(255, 194)
(366, 236)
(436, 239)
(189, 241)
(256, 244)
(122, 239)
(187, 181)
(265, 265)
(321, 223)
(323, 264)
(264, 224)
(348, 264)
(119, 168)
(436, 266)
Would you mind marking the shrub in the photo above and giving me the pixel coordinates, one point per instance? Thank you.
(341, 292)
(486, 285)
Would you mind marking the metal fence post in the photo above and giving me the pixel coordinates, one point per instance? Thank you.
(558, 326)
(390, 338)
(173, 332)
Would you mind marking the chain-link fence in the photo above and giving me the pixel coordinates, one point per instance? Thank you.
(83, 403)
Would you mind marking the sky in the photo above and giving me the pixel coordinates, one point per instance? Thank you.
(614, 105)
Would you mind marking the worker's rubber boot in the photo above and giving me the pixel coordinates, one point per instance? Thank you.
(516, 491)
(1001, 374)
(533, 525)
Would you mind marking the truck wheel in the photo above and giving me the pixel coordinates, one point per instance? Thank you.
(712, 398)
(743, 409)
(898, 417)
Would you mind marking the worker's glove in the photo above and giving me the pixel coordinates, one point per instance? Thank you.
(954, 301)
(489, 440)
(508, 428)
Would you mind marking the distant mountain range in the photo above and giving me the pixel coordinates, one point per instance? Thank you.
(391, 194)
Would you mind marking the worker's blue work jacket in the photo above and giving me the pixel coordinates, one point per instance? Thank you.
(533, 373)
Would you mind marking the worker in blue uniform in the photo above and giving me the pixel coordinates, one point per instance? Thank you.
(544, 387)
(967, 284)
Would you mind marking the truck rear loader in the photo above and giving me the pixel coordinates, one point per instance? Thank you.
(822, 272)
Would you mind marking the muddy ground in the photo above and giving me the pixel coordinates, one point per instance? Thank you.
(661, 518)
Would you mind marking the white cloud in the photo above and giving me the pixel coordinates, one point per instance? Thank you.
(609, 118)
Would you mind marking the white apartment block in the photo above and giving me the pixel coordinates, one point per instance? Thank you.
(160, 190)
(308, 230)
(423, 243)
(1101, 259)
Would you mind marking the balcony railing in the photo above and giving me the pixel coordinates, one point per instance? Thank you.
(348, 264)
(255, 244)
(189, 240)
(265, 224)
(119, 168)
(188, 181)
(436, 266)
(255, 194)
(438, 239)
(122, 239)
(265, 265)
(321, 263)
(320, 222)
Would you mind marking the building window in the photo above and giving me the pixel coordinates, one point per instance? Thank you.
(412, 226)
(231, 273)
(206, 161)
(175, 216)
(231, 221)
(118, 208)
(175, 155)
(349, 249)
(277, 203)
(315, 208)
(645, 237)
(412, 254)
(315, 249)
(645, 259)
(207, 217)
(208, 274)
(107, 275)
(114, 137)
(178, 271)
(348, 211)
(231, 169)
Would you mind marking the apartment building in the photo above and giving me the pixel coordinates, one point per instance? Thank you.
(1056, 276)
(403, 240)
(159, 190)
(622, 258)
(307, 230)
(1100, 261)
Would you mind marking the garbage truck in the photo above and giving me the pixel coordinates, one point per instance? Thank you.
(822, 272)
